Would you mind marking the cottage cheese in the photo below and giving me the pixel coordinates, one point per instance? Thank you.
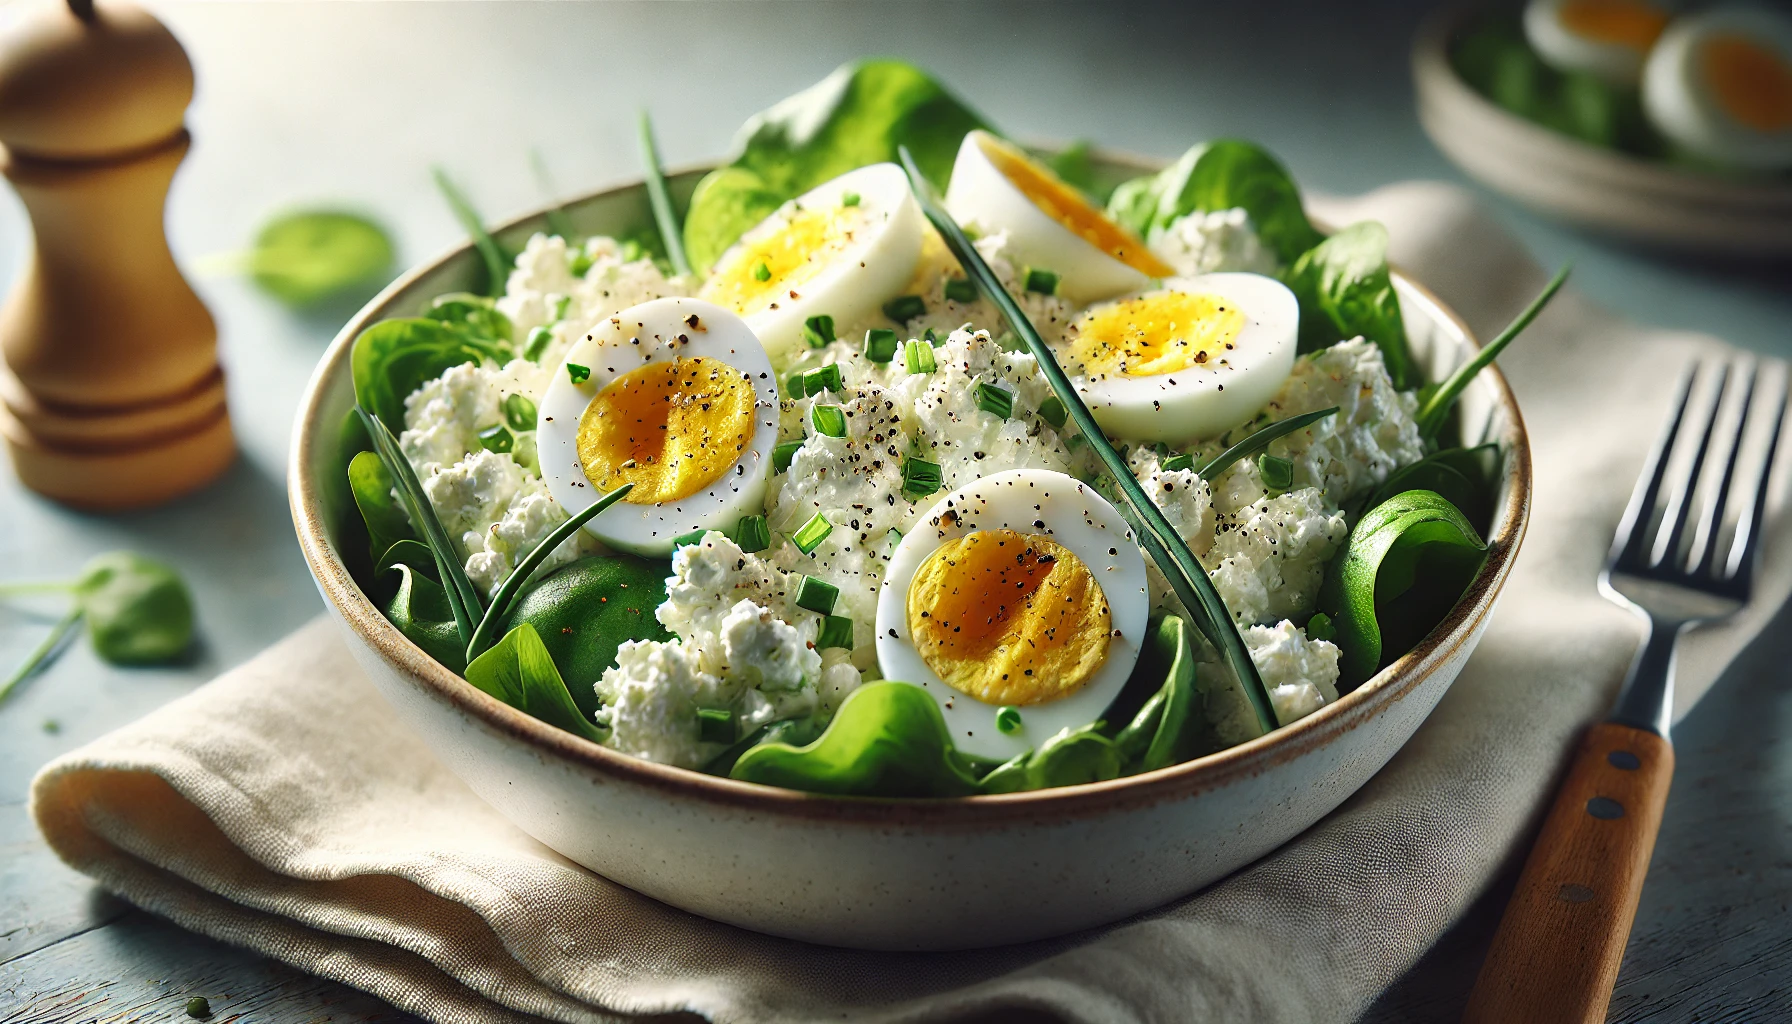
(1207, 243)
(1300, 674)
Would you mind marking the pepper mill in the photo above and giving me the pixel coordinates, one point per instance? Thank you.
(110, 392)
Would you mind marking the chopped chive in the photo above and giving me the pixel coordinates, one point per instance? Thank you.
(1043, 282)
(1008, 719)
(1320, 627)
(1052, 411)
(918, 357)
(694, 537)
(812, 533)
(904, 308)
(782, 454)
(632, 251)
(762, 272)
(849, 199)
(752, 534)
(1076, 441)
(994, 400)
(932, 337)
(829, 420)
(1278, 473)
(715, 725)
(920, 477)
(818, 330)
(561, 305)
(961, 289)
(538, 341)
(579, 264)
(836, 631)
(1179, 462)
(497, 438)
(793, 388)
(824, 378)
(817, 595)
(519, 412)
(579, 374)
(880, 344)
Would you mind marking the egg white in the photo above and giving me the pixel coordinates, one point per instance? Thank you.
(1567, 50)
(1074, 516)
(656, 332)
(1679, 101)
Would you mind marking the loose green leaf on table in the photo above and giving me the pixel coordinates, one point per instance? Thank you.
(587, 609)
(1345, 290)
(421, 612)
(519, 671)
(308, 256)
(1221, 175)
(394, 358)
(887, 739)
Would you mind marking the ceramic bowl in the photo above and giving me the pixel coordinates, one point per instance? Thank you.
(885, 873)
(1614, 193)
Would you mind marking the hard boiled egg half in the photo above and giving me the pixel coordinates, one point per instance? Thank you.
(1189, 360)
(842, 250)
(1023, 590)
(675, 396)
(1051, 226)
(1720, 84)
(1605, 38)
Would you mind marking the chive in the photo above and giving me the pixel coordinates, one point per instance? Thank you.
(561, 305)
(782, 454)
(752, 535)
(1320, 627)
(1176, 463)
(960, 289)
(1437, 406)
(824, 378)
(995, 401)
(497, 438)
(539, 340)
(579, 264)
(1259, 441)
(918, 357)
(818, 330)
(920, 477)
(794, 386)
(579, 374)
(829, 420)
(715, 725)
(880, 344)
(904, 308)
(497, 262)
(816, 595)
(1052, 411)
(812, 533)
(660, 198)
(694, 537)
(1278, 473)
(1044, 282)
(1008, 719)
(849, 199)
(519, 412)
(762, 272)
(836, 631)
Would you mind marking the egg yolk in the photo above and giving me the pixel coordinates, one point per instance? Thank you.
(1009, 618)
(1752, 83)
(1067, 206)
(763, 272)
(1619, 22)
(669, 428)
(1156, 334)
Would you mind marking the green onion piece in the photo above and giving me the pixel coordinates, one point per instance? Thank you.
(783, 453)
(578, 374)
(752, 534)
(1052, 411)
(1259, 441)
(849, 199)
(818, 330)
(880, 344)
(715, 725)
(1008, 719)
(497, 438)
(561, 304)
(1320, 627)
(836, 631)
(812, 533)
(816, 595)
(1044, 282)
(793, 388)
(1434, 409)
(497, 261)
(995, 401)
(632, 251)
(961, 289)
(519, 412)
(1179, 462)
(762, 272)
(539, 340)
(918, 357)
(694, 537)
(829, 420)
(904, 308)
(579, 264)
(920, 477)
(1278, 473)
(825, 378)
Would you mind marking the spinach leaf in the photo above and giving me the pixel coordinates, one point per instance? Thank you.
(138, 610)
(586, 610)
(793, 732)
(519, 671)
(1345, 290)
(1467, 478)
(1166, 729)
(1070, 758)
(371, 486)
(421, 612)
(856, 116)
(887, 739)
(1406, 564)
(476, 314)
(305, 257)
(1075, 164)
(394, 358)
(1221, 175)
(413, 553)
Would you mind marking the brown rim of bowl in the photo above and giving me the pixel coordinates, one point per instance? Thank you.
(1208, 772)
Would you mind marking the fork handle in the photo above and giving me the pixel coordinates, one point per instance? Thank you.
(1555, 957)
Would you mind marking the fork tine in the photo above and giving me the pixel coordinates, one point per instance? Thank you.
(1702, 556)
(1632, 536)
(1679, 509)
(1746, 547)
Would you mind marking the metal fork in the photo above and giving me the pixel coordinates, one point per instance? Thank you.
(1555, 956)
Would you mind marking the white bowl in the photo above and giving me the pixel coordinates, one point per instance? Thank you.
(884, 873)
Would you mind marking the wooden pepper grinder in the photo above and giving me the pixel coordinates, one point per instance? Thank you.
(110, 392)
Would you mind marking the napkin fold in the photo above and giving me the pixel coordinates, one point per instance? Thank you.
(285, 808)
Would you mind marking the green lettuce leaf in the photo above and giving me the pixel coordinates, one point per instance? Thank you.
(519, 671)
(138, 610)
(887, 739)
(1070, 758)
(420, 610)
(304, 257)
(1468, 478)
(1221, 175)
(1345, 290)
(586, 610)
(393, 358)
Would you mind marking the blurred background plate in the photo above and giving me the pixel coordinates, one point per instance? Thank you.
(1602, 189)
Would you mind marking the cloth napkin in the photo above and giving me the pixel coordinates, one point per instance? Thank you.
(285, 808)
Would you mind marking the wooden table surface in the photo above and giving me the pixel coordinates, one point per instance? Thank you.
(351, 104)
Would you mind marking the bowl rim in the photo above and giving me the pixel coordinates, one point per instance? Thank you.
(1097, 799)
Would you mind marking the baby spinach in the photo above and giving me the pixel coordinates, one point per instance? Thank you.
(1467, 478)
(1221, 175)
(887, 739)
(371, 485)
(1345, 290)
(1405, 565)
(1435, 402)
(421, 612)
(492, 255)
(584, 611)
(413, 553)
(304, 257)
(394, 358)
(856, 116)
(1165, 730)
(1070, 758)
(475, 314)
(519, 671)
(793, 732)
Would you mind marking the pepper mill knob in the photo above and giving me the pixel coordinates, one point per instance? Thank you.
(110, 392)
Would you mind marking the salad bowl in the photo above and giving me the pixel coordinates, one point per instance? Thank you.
(894, 874)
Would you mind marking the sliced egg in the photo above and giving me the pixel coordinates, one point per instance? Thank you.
(1051, 226)
(1605, 38)
(1023, 590)
(1720, 84)
(675, 396)
(841, 250)
(1187, 361)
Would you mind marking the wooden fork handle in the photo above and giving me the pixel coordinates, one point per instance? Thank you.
(1555, 957)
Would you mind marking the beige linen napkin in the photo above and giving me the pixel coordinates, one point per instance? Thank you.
(285, 808)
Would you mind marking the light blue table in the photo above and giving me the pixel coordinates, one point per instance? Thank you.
(351, 104)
